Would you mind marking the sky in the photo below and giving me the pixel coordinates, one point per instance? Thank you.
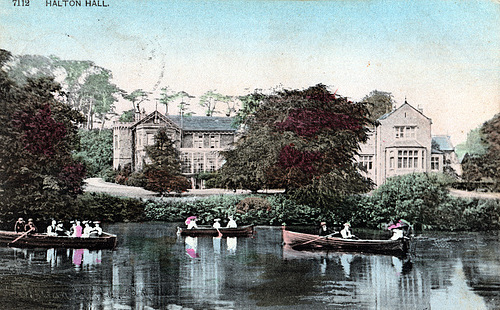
(441, 56)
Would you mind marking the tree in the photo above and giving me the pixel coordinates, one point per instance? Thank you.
(210, 99)
(378, 103)
(473, 145)
(164, 172)
(38, 175)
(491, 138)
(306, 141)
(137, 97)
(96, 151)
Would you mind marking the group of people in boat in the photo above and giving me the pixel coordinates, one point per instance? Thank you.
(398, 230)
(22, 226)
(191, 223)
(56, 228)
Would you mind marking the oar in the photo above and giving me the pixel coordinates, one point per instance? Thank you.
(336, 232)
(24, 234)
(220, 234)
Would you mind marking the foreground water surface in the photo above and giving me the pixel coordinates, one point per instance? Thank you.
(153, 268)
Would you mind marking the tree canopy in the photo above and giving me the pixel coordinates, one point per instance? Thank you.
(38, 175)
(303, 141)
(378, 103)
(164, 172)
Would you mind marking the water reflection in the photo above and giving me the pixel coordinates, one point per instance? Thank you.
(152, 269)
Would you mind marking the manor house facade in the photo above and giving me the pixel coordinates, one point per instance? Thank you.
(198, 138)
(402, 143)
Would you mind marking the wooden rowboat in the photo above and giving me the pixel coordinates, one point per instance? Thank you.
(300, 241)
(207, 231)
(23, 240)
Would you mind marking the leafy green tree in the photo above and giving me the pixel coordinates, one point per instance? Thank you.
(164, 172)
(137, 97)
(414, 197)
(38, 175)
(378, 103)
(491, 137)
(305, 142)
(127, 116)
(473, 145)
(96, 151)
(210, 99)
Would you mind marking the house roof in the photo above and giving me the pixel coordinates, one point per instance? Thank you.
(203, 123)
(192, 123)
(386, 115)
(444, 143)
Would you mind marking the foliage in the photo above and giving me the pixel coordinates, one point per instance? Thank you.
(164, 173)
(96, 151)
(127, 116)
(300, 140)
(38, 176)
(378, 103)
(473, 145)
(210, 99)
(491, 137)
(108, 208)
(136, 97)
(88, 87)
(413, 197)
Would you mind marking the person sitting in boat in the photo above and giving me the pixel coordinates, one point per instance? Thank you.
(216, 224)
(20, 225)
(346, 232)
(97, 230)
(51, 229)
(30, 227)
(86, 229)
(398, 229)
(231, 223)
(323, 229)
(77, 229)
(191, 222)
(60, 231)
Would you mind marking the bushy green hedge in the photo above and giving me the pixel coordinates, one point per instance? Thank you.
(107, 208)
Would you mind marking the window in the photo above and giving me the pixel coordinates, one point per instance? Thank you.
(391, 160)
(198, 162)
(434, 163)
(150, 139)
(117, 145)
(198, 141)
(186, 162)
(405, 132)
(407, 159)
(366, 161)
(214, 141)
(211, 162)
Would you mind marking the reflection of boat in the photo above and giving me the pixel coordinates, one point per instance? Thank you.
(23, 240)
(242, 231)
(302, 241)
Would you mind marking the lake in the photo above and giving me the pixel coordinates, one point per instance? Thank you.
(153, 268)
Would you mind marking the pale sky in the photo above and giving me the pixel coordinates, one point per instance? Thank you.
(443, 56)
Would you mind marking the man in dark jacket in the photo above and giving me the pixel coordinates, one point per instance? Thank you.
(19, 226)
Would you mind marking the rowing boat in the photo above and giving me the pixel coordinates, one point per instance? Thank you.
(301, 241)
(23, 240)
(206, 231)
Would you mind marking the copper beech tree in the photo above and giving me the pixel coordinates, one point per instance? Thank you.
(303, 141)
(38, 175)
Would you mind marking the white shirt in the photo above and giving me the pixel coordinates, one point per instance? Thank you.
(191, 225)
(232, 224)
(216, 225)
(397, 234)
(346, 233)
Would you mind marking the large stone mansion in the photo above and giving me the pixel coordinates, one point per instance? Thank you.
(402, 143)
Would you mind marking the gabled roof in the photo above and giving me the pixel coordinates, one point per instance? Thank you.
(386, 115)
(162, 119)
(191, 123)
(444, 143)
(203, 123)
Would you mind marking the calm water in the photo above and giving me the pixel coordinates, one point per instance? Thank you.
(152, 268)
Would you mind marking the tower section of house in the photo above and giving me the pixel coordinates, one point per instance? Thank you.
(122, 145)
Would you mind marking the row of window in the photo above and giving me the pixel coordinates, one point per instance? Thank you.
(199, 162)
(405, 132)
(406, 159)
(198, 139)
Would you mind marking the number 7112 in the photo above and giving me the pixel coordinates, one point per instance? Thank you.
(21, 2)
